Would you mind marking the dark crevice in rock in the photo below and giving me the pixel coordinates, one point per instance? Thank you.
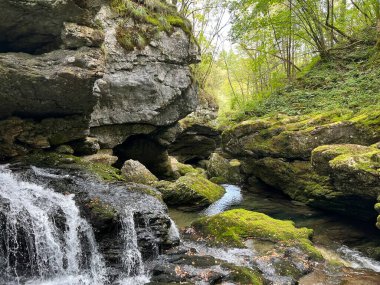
(47, 44)
(147, 151)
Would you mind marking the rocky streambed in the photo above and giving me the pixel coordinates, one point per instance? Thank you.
(336, 238)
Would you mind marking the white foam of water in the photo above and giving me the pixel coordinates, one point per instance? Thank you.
(42, 172)
(174, 234)
(358, 260)
(29, 210)
(131, 256)
(136, 280)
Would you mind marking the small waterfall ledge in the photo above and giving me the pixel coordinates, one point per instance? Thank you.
(47, 237)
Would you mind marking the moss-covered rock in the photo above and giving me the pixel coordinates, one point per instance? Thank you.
(233, 227)
(295, 137)
(301, 182)
(53, 159)
(192, 190)
(183, 169)
(229, 170)
(354, 169)
(149, 19)
(134, 171)
(101, 214)
(243, 275)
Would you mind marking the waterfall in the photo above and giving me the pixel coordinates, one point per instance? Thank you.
(133, 266)
(131, 256)
(44, 240)
(43, 235)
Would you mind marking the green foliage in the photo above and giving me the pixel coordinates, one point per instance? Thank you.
(149, 18)
(347, 83)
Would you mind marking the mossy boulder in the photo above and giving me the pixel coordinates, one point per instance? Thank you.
(101, 214)
(134, 171)
(192, 190)
(353, 168)
(228, 169)
(243, 275)
(301, 182)
(294, 137)
(182, 169)
(233, 227)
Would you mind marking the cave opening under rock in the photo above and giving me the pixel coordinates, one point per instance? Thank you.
(148, 152)
(47, 43)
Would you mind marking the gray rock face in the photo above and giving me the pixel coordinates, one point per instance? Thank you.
(35, 25)
(151, 86)
(58, 83)
(84, 72)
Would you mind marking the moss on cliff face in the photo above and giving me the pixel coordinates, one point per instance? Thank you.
(149, 17)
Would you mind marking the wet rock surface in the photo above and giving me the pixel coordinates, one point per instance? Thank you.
(102, 204)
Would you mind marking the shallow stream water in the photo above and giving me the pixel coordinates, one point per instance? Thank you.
(338, 238)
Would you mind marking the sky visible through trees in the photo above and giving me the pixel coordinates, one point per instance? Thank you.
(252, 47)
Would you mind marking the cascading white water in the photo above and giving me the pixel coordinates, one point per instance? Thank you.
(174, 234)
(134, 271)
(44, 236)
(357, 260)
(131, 256)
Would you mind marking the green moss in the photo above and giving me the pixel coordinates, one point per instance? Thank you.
(243, 275)
(202, 186)
(192, 190)
(234, 226)
(150, 17)
(53, 159)
(366, 161)
(105, 172)
(218, 180)
(101, 210)
(184, 169)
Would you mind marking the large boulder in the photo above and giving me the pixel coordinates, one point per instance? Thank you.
(279, 151)
(134, 171)
(295, 137)
(192, 191)
(353, 169)
(59, 83)
(285, 246)
(225, 169)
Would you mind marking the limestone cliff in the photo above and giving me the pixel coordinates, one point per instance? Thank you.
(65, 75)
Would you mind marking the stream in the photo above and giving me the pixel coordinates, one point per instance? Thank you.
(336, 237)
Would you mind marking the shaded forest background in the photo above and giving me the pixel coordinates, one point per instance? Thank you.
(259, 56)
